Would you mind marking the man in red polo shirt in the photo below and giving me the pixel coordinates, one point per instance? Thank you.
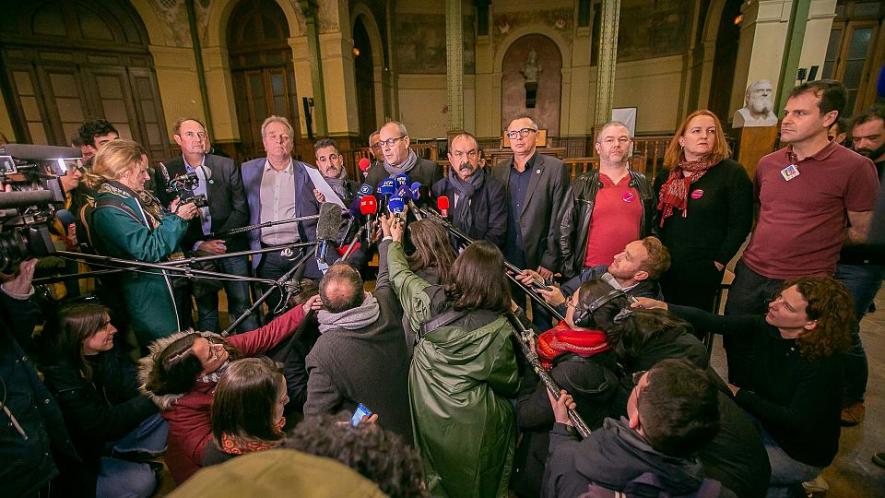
(814, 196)
(607, 208)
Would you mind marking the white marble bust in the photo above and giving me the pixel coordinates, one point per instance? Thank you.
(757, 110)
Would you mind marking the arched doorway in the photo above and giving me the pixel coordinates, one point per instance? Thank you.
(727, 40)
(67, 61)
(527, 55)
(262, 73)
(364, 69)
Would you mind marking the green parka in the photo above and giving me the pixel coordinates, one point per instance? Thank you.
(126, 233)
(459, 383)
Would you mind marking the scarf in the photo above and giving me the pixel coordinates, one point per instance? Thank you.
(238, 445)
(462, 213)
(212, 378)
(151, 206)
(674, 191)
(337, 185)
(405, 167)
(352, 319)
(561, 339)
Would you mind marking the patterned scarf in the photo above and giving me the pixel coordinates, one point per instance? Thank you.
(239, 445)
(151, 206)
(674, 192)
(561, 339)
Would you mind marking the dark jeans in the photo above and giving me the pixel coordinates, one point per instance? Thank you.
(862, 282)
(749, 294)
(237, 298)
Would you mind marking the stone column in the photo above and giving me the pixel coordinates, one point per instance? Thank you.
(312, 30)
(607, 60)
(455, 64)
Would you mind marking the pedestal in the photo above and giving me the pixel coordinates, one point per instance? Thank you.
(753, 143)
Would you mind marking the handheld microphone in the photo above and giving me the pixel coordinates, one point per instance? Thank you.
(387, 190)
(396, 205)
(368, 208)
(327, 231)
(402, 180)
(416, 190)
(364, 165)
(442, 204)
(365, 189)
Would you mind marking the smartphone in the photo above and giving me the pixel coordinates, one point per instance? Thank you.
(360, 412)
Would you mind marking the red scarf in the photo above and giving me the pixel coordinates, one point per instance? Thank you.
(561, 339)
(237, 445)
(674, 191)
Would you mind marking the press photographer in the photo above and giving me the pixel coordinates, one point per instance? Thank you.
(130, 223)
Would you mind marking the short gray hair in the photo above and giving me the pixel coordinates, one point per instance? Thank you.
(401, 127)
(524, 116)
(611, 124)
(277, 119)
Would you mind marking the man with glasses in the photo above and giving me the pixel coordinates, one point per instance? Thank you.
(606, 208)
(400, 159)
(477, 198)
(375, 149)
(219, 180)
(535, 186)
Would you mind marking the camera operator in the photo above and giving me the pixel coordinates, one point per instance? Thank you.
(34, 443)
(130, 223)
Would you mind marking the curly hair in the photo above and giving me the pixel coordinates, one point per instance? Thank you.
(377, 454)
(830, 304)
(658, 260)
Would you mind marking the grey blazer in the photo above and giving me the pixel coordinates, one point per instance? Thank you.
(541, 208)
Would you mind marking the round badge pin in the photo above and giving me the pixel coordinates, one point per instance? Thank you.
(697, 194)
(628, 197)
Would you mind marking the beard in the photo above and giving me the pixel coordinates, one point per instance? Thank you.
(871, 153)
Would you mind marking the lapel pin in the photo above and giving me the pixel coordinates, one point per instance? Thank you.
(538, 171)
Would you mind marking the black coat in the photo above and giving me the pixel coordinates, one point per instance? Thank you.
(227, 201)
(100, 411)
(540, 210)
(29, 464)
(574, 222)
(489, 208)
(368, 366)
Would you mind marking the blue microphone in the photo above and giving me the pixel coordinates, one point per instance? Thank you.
(396, 205)
(388, 187)
(365, 189)
(402, 180)
(416, 190)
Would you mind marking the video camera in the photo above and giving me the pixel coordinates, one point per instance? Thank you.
(184, 185)
(30, 176)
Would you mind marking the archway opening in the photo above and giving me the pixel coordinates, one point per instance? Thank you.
(364, 68)
(727, 40)
(262, 73)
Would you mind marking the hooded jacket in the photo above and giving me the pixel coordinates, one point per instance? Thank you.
(188, 414)
(612, 457)
(461, 377)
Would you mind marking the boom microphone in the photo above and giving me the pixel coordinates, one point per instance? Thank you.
(42, 152)
(327, 231)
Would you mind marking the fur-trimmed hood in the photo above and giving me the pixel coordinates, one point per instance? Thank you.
(147, 364)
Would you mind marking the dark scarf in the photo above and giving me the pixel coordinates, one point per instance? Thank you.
(405, 167)
(338, 184)
(561, 340)
(674, 191)
(151, 206)
(463, 214)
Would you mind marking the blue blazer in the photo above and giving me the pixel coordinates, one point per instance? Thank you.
(305, 202)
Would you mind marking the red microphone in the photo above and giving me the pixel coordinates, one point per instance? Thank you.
(364, 165)
(368, 205)
(442, 204)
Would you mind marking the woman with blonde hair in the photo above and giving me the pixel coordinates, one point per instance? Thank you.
(129, 223)
(705, 209)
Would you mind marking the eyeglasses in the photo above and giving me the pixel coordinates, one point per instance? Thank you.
(513, 135)
(390, 142)
(611, 141)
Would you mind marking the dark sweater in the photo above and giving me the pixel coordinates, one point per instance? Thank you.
(797, 401)
(717, 223)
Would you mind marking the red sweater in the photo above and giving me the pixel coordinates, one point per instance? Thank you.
(190, 427)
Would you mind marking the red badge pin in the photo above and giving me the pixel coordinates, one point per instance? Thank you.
(629, 197)
(697, 194)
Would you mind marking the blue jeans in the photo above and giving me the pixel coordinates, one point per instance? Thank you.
(786, 473)
(862, 282)
(237, 298)
(122, 478)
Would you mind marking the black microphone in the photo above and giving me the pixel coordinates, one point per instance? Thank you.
(327, 231)
(42, 152)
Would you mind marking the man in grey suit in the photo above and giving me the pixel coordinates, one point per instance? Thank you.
(535, 187)
(219, 180)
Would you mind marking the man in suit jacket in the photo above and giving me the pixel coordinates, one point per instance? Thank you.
(219, 180)
(535, 187)
(277, 188)
(399, 158)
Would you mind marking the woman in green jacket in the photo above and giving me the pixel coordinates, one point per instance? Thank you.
(463, 369)
(129, 223)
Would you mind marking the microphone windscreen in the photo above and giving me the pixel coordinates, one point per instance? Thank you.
(364, 164)
(401, 179)
(442, 202)
(368, 205)
(365, 189)
(396, 204)
(42, 152)
(388, 187)
(416, 190)
(404, 192)
(329, 222)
